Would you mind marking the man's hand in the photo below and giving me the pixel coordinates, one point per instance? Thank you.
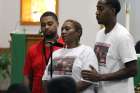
(91, 75)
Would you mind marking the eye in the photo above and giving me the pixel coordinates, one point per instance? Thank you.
(100, 8)
(62, 28)
(50, 23)
(65, 28)
(43, 24)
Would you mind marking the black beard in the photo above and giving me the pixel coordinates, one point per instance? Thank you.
(50, 36)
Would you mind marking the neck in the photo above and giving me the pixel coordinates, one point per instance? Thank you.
(72, 44)
(48, 38)
(110, 26)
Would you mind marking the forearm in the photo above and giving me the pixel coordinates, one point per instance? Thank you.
(44, 84)
(26, 81)
(130, 70)
(121, 74)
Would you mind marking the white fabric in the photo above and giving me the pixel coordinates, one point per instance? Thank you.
(77, 59)
(113, 50)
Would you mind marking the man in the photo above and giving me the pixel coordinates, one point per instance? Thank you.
(39, 53)
(115, 52)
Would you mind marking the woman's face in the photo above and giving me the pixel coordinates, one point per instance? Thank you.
(69, 33)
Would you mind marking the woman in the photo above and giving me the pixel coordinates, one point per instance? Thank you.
(74, 57)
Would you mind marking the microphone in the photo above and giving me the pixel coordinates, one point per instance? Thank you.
(55, 43)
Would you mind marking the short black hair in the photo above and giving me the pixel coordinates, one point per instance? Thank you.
(114, 4)
(62, 84)
(18, 88)
(137, 47)
(49, 13)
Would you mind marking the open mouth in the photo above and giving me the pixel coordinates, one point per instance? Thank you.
(48, 33)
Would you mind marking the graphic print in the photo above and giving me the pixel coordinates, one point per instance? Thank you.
(62, 66)
(101, 50)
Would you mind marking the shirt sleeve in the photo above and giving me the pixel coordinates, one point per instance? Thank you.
(27, 65)
(126, 49)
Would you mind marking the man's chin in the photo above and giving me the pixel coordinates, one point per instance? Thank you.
(50, 36)
(99, 22)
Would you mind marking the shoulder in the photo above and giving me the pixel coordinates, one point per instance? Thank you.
(86, 49)
(123, 35)
(58, 51)
(35, 46)
(121, 30)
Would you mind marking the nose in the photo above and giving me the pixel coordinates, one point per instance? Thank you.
(97, 12)
(46, 27)
(63, 31)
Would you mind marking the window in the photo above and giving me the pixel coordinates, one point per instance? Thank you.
(31, 10)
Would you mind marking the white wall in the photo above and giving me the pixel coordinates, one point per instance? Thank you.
(121, 15)
(8, 17)
(9, 20)
(135, 19)
(81, 10)
(84, 12)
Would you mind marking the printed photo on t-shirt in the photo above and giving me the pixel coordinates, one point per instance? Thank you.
(62, 66)
(101, 50)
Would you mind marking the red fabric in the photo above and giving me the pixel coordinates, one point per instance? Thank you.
(60, 40)
(35, 62)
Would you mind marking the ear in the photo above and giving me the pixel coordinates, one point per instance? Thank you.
(113, 11)
(78, 34)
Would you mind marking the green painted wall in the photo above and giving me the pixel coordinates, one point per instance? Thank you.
(137, 77)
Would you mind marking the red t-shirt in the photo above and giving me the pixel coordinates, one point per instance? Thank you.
(35, 62)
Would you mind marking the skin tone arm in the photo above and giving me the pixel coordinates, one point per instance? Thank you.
(26, 81)
(44, 84)
(130, 70)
